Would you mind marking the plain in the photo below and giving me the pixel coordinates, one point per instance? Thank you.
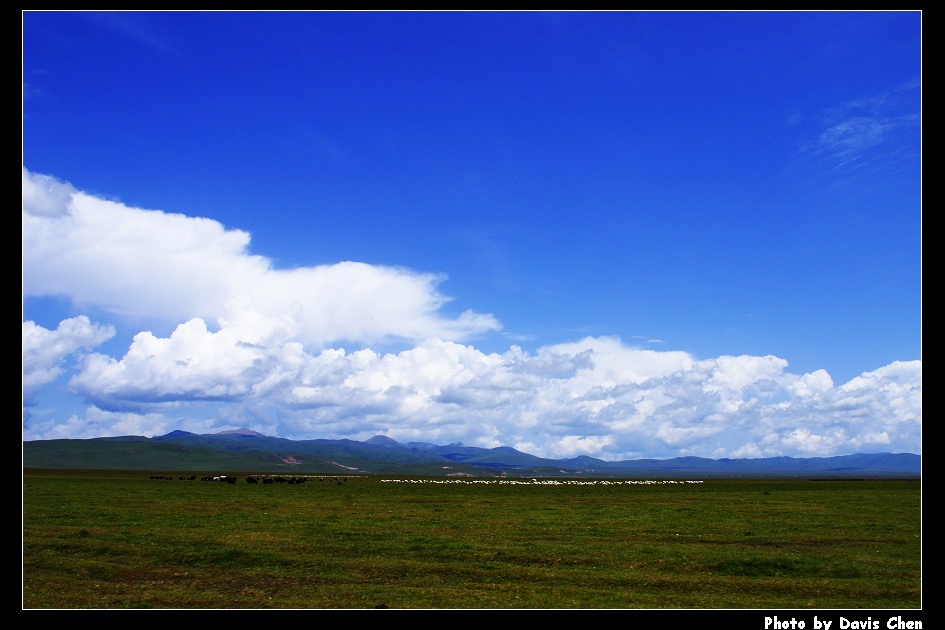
(132, 539)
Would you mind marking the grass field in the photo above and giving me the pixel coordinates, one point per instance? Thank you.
(116, 540)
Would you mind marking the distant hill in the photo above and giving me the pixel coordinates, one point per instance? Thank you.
(243, 450)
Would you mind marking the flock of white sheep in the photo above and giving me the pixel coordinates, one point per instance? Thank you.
(545, 482)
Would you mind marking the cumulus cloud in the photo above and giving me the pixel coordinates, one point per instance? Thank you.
(155, 264)
(289, 353)
(45, 351)
(596, 396)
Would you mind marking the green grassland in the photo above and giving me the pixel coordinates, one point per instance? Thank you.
(120, 539)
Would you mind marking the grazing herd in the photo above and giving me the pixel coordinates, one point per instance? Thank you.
(255, 479)
(269, 479)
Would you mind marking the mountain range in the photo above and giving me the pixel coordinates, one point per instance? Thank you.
(243, 450)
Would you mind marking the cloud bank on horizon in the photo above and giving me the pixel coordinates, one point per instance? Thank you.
(264, 347)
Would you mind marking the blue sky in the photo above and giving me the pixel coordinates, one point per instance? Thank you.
(616, 234)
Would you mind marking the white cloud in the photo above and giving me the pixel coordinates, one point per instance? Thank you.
(154, 264)
(812, 384)
(264, 348)
(871, 133)
(850, 138)
(98, 423)
(596, 397)
(45, 351)
(46, 196)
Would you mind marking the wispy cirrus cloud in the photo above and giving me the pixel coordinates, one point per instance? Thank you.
(871, 133)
